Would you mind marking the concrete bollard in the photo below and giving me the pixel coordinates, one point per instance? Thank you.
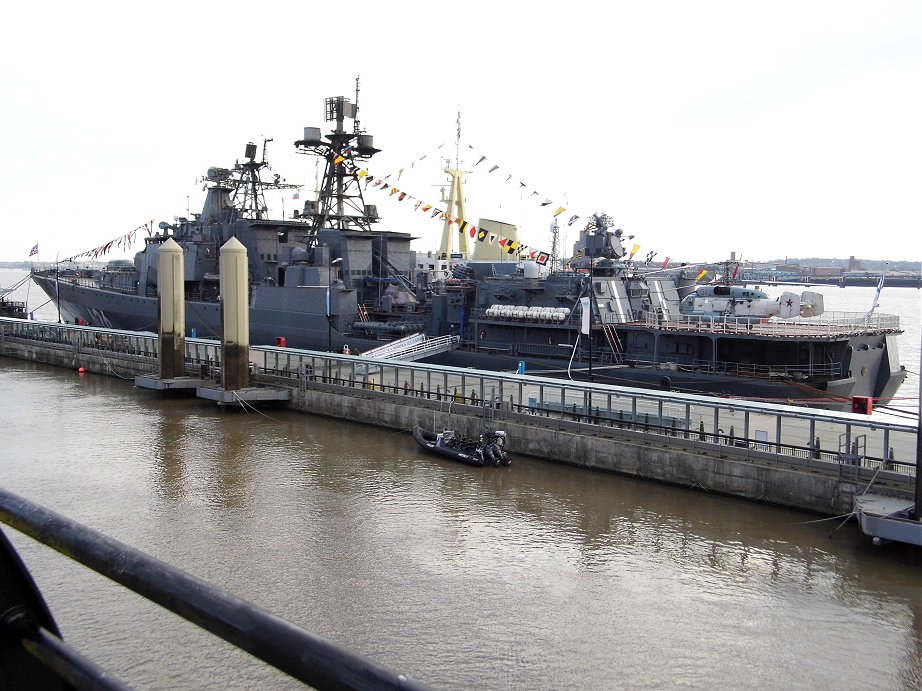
(235, 315)
(171, 294)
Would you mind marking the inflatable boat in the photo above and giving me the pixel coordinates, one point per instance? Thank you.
(488, 450)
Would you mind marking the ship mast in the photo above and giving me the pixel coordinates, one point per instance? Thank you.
(247, 188)
(340, 204)
(454, 203)
(555, 246)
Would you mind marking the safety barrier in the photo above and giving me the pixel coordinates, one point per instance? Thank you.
(30, 645)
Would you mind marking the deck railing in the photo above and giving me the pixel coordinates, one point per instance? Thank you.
(28, 640)
(831, 324)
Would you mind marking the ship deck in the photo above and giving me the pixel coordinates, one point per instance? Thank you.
(833, 325)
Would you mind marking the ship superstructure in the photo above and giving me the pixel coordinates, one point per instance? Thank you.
(328, 278)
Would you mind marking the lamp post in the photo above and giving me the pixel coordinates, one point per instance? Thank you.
(591, 300)
(57, 283)
(329, 305)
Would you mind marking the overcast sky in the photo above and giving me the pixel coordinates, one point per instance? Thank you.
(772, 129)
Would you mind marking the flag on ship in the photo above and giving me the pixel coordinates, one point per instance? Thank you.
(880, 286)
(34, 251)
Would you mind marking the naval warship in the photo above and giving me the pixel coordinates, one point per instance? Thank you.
(328, 279)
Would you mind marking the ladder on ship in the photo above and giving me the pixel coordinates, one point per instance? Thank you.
(393, 270)
(614, 342)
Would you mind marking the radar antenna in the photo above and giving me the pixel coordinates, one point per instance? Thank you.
(245, 185)
(599, 222)
(340, 204)
(599, 241)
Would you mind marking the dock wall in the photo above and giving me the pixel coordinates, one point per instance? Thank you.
(74, 356)
(803, 484)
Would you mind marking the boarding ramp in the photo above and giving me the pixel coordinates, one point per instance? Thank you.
(413, 347)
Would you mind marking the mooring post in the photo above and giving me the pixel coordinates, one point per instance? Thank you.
(235, 315)
(171, 295)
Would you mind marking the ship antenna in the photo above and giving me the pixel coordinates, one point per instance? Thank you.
(455, 201)
(458, 141)
(317, 177)
(266, 149)
(341, 204)
(358, 127)
(555, 236)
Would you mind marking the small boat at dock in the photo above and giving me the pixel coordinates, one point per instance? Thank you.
(488, 450)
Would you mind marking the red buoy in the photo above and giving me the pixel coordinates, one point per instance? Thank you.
(81, 370)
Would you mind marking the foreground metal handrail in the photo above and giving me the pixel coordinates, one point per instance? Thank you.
(304, 655)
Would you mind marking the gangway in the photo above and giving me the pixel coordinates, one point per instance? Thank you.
(413, 347)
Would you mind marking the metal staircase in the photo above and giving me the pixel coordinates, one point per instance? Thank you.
(393, 270)
(413, 347)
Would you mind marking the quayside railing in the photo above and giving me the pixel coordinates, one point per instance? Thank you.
(730, 432)
(30, 646)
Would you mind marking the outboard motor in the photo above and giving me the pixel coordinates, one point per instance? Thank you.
(493, 451)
